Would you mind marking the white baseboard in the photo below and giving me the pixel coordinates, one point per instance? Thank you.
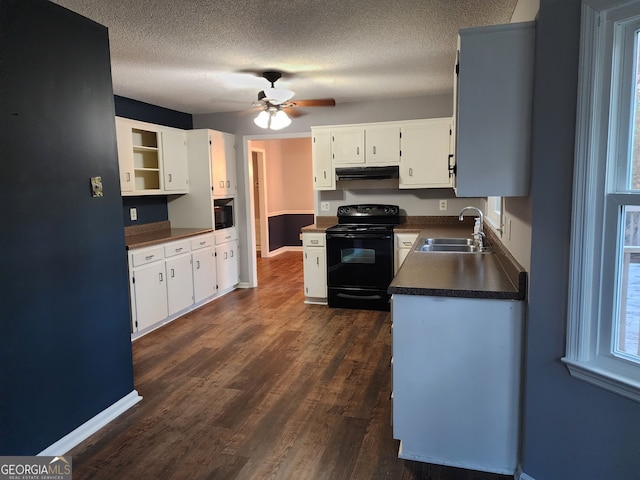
(280, 250)
(88, 428)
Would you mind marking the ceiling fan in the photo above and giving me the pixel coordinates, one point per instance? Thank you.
(277, 107)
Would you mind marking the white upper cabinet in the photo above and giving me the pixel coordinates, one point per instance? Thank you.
(223, 164)
(425, 154)
(420, 148)
(347, 146)
(174, 161)
(152, 158)
(492, 110)
(382, 144)
(323, 176)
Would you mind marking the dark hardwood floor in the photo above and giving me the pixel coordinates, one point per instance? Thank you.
(258, 385)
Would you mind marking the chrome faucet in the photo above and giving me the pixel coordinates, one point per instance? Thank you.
(478, 233)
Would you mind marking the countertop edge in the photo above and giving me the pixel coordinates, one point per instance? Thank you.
(133, 242)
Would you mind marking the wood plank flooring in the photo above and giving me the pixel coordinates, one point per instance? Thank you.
(258, 385)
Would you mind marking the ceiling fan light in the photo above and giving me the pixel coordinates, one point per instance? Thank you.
(280, 120)
(278, 95)
(262, 120)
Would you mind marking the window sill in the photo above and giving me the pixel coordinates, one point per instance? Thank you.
(604, 378)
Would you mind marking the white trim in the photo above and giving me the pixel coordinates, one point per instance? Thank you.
(598, 136)
(88, 428)
(248, 189)
(524, 476)
(278, 251)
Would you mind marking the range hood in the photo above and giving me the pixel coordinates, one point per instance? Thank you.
(367, 173)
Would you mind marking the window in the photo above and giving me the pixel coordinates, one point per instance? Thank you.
(604, 303)
(494, 212)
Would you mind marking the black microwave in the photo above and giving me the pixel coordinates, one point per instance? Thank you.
(223, 213)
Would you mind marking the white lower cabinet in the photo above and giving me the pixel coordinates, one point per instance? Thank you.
(456, 380)
(149, 295)
(179, 283)
(402, 243)
(204, 274)
(167, 280)
(315, 267)
(227, 259)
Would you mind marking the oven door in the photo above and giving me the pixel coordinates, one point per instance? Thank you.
(359, 270)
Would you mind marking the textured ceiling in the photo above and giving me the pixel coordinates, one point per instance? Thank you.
(205, 56)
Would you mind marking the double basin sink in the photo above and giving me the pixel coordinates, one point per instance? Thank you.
(452, 245)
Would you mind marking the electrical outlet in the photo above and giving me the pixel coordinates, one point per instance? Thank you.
(443, 204)
(324, 206)
(133, 213)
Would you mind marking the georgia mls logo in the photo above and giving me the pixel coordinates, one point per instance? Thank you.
(35, 468)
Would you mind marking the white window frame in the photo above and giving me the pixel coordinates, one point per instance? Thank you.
(602, 135)
(494, 215)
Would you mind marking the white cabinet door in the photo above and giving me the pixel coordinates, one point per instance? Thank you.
(315, 272)
(425, 154)
(223, 171)
(323, 174)
(204, 274)
(227, 265)
(125, 155)
(179, 283)
(150, 295)
(174, 161)
(347, 146)
(382, 144)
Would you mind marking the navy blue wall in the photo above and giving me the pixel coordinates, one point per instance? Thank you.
(284, 230)
(146, 112)
(65, 348)
(572, 429)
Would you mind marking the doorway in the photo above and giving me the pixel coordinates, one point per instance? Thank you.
(260, 202)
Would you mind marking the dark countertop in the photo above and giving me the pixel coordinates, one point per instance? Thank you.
(156, 233)
(487, 275)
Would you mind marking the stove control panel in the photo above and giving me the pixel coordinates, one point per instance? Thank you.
(370, 210)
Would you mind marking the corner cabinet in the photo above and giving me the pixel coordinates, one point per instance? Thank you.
(492, 110)
(420, 148)
(425, 148)
(315, 267)
(152, 159)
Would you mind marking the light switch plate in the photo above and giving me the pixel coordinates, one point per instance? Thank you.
(96, 187)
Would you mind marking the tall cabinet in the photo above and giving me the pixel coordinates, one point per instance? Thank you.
(212, 170)
(492, 110)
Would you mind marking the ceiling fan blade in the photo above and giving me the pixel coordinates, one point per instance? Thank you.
(293, 112)
(319, 102)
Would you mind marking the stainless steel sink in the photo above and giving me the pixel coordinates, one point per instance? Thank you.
(453, 245)
(448, 241)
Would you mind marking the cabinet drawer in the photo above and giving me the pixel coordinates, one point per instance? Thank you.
(226, 235)
(147, 255)
(176, 248)
(313, 239)
(201, 241)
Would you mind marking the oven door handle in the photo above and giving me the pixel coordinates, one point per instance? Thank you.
(360, 297)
